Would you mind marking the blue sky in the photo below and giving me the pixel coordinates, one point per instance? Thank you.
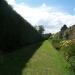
(52, 14)
(66, 5)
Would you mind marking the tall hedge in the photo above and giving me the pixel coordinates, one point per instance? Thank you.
(15, 31)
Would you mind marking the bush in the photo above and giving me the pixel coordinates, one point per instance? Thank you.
(72, 62)
(56, 43)
(67, 48)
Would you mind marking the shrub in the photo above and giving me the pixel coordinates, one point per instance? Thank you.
(56, 40)
(67, 48)
(65, 43)
(72, 62)
(56, 43)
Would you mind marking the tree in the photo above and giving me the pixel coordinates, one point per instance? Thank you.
(63, 29)
(40, 28)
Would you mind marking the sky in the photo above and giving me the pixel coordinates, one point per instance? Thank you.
(52, 14)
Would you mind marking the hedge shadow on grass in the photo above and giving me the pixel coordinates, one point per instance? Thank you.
(13, 63)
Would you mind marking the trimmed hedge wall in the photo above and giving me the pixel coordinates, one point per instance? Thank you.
(15, 31)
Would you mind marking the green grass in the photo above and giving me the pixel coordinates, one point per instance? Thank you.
(46, 61)
(38, 59)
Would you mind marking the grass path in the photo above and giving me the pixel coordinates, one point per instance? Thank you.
(33, 60)
(46, 61)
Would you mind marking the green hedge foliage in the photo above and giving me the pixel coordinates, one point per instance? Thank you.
(15, 31)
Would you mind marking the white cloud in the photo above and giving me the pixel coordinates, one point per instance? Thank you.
(12, 2)
(50, 17)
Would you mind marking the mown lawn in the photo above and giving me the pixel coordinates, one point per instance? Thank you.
(46, 61)
(38, 59)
